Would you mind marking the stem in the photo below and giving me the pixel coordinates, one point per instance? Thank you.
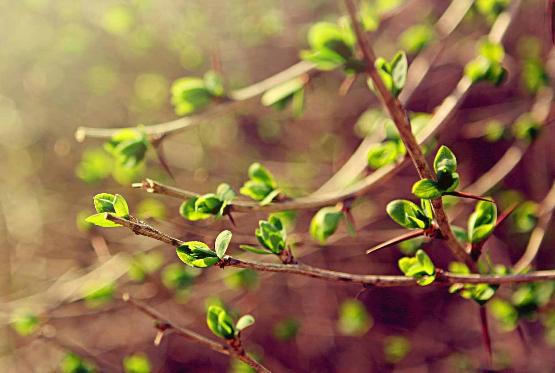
(443, 278)
(469, 196)
(396, 240)
(401, 120)
(164, 324)
(485, 334)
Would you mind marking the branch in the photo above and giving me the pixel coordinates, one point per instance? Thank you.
(401, 120)
(163, 324)
(442, 278)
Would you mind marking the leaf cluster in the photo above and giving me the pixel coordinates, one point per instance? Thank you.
(445, 167)
(208, 205)
(261, 185)
(420, 267)
(221, 323)
(190, 94)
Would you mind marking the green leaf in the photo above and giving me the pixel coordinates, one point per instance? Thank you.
(526, 128)
(101, 220)
(382, 154)
(417, 37)
(354, 320)
(189, 94)
(261, 185)
(420, 267)
(426, 189)
(197, 254)
(399, 69)
(525, 216)
(222, 243)
(244, 322)
(188, 211)
(104, 202)
(120, 206)
(255, 250)
(72, 363)
(407, 214)
(396, 348)
(225, 193)
(271, 234)
(331, 45)
(219, 322)
(445, 160)
(324, 223)
(137, 363)
(24, 322)
(213, 83)
(482, 221)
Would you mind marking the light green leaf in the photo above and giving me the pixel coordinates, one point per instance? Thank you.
(407, 214)
(120, 206)
(481, 222)
(222, 243)
(445, 160)
(399, 68)
(324, 223)
(101, 220)
(244, 322)
(426, 189)
(282, 91)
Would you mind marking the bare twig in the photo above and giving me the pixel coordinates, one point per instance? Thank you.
(443, 278)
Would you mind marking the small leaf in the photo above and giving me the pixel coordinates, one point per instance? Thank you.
(399, 68)
(101, 220)
(222, 242)
(325, 223)
(104, 202)
(407, 214)
(445, 160)
(244, 322)
(383, 154)
(283, 91)
(482, 221)
(426, 189)
(354, 319)
(254, 249)
(219, 322)
(120, 206)
(137, 363)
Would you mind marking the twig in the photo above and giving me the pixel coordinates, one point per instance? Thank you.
(442, 278)
(163, 324)
(401, 120)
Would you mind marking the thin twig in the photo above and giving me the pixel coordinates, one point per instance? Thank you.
(163, 324)
(442, 278)
(401, 119)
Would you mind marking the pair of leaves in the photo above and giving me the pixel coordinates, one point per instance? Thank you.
(393, 73)
(488, 65)
(445, 167)
(272, 236)
(281, 95)
(480, 293)
(207, 205)
(482, 221)
(261, 185)
(128, 147)
(190, 94)
(408, 215)
(332, 46)
(198, 254)
(104, 204)
(324, 223)
(420, 267)
(221, 323)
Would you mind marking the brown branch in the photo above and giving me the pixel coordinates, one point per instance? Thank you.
(443, 278)
(163, 324)
(401, 120)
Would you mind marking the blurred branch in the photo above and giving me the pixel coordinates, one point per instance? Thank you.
(401, 119)
(536, 238)
(140, 228)
(163, 324)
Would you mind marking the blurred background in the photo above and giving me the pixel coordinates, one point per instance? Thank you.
(108, 63)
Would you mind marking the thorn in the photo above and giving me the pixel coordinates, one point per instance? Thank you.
(469, 196)
(485, 334)
(396, 240)
(231, 218)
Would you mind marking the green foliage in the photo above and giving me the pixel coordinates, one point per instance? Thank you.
(383, 154)
(494, 131)
(128, 147)
(137, 363)
(197, 254)
(272, 236)
(283, 94)
(416, 38)
(73, 363)
(491, 8)
(394, 72)
(420, 267)
(286, 329)
(526, 302)
(408, 215)
(190, 94)
(533, 76)
(261, 185)
(488, 65)
(104, 204)
(480, 293)
(395, 348)
(144, 264)
(525, 216)
(324, 223)
(151, 208)
(208, 205)
(332, 46)
(354, 320)
(95, 166)
(24, 322)
(445, 167)
(98, 294)
(244, 279)
(178, 277)
(221, 324)
(222, 243)
(526, 128)
(481, 222)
